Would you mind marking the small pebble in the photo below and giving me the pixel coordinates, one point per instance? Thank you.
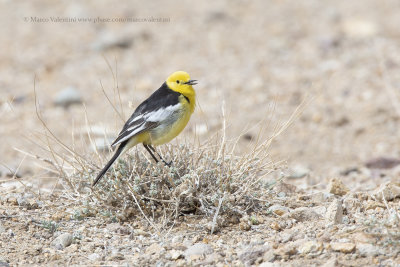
(310, 247)
(198, 249)
(337, 187)
(389, 191)
(67, 97)
(304, 214)
(343, 247)
(334, 213)
(62, 241)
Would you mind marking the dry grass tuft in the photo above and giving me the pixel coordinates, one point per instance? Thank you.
(203, 180)
(207, 180)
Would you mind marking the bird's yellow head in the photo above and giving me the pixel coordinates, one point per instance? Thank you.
(180, 82)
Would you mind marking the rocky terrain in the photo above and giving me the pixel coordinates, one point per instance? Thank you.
(334, 228)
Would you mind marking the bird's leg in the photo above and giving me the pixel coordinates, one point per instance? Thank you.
(154, 150)
(151, 153)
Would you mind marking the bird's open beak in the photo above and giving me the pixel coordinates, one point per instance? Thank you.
(191, 82)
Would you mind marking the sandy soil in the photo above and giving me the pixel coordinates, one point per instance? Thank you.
(258, 61)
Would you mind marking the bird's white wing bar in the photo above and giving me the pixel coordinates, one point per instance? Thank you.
(131, 120)
(163, 113)
(146, 121)
(128, 133)
(136, 128)
(158, 116)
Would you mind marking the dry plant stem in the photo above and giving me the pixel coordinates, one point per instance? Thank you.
(109, 101)
(48, 161)
(138, 205)
(47, 128)
(116, 86)
(222, 147)
(89, 135)
(43, 146)
(60, 166)
(390, 210)
(14, 177)
(196, 136)
(214, 223)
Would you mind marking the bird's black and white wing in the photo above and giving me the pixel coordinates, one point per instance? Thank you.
(151, 113)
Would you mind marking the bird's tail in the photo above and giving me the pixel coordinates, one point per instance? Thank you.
(110, 162)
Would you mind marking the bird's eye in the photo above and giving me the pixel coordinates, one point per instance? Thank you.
(177, 81)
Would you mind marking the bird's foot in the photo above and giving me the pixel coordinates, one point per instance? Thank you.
(167, 163)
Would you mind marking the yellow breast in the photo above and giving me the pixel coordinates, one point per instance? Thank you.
(168, 131)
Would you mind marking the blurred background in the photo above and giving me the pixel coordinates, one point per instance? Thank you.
(260, 58)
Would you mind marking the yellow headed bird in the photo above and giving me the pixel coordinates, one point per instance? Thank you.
(159, 119)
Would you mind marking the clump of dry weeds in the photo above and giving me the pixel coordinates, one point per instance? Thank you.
(208, 179)
(202, 180)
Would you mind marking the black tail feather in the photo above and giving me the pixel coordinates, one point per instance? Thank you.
(110, 162)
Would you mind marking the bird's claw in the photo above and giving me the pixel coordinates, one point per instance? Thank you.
(168, 163)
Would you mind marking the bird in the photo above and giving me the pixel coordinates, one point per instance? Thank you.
(158, 119)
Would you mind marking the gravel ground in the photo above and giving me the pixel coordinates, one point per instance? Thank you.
(334, 228)
(258, 61)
